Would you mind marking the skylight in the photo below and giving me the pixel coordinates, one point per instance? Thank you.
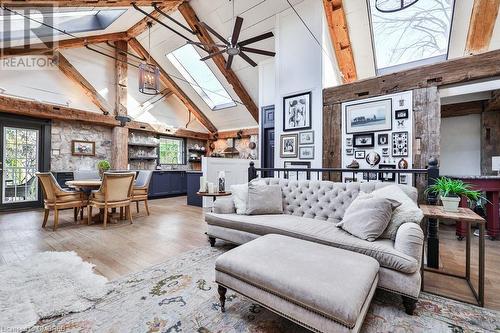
(200, 77)
(13, 26)
(411, 37)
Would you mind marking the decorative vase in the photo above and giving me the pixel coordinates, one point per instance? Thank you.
(450, 204)
(221, 181)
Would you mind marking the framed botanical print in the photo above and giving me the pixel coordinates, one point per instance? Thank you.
(82, 148)
(369, 116)
(288, 145)
(306, 138)
(297, 112)
(306, 153)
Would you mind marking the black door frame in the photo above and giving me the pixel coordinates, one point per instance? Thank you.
(265, 125)
(44, 126)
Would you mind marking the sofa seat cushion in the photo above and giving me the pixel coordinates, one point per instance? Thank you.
(316, 231)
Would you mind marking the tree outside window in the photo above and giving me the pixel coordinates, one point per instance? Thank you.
(172, 151)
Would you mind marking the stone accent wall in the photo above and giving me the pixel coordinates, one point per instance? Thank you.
(62, 135)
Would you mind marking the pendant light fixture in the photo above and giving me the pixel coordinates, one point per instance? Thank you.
(149, 74)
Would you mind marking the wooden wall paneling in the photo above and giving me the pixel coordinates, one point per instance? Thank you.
(490, 139)
(482, 22)
(332, 137)
(462, 109)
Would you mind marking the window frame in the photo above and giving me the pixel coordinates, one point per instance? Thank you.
(184, 149)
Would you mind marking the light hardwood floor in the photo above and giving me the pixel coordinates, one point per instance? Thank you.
(174, 228)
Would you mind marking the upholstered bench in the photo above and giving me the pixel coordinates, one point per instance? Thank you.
(322, 288)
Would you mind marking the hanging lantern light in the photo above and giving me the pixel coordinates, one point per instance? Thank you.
(149, 74)
(391, 6)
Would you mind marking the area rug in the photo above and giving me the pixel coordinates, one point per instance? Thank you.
(45, 285)
(180, 296)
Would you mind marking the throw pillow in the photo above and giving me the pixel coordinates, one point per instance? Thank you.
(407, 212)
(240, 196)
(367, 216)
(264, 199)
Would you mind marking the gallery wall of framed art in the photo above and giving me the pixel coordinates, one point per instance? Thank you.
(378, 134)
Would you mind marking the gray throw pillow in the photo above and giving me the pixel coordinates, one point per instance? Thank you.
(264, 199)
(368, 216)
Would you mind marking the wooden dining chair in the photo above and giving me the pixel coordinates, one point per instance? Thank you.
(141, 189)
(56, 198)
(115, 192)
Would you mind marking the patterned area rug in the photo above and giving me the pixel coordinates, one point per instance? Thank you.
(180, 296)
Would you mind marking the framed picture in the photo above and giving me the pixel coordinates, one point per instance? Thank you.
(383, 139)
(401, 114)
(400, 144)
(387, 176)
(364, 140)
(348, 142)
(385, 152)
(297, 175)
(288, 145)
(306, 153)
(306, 138)
(369, 176)
(349, 151)
(82, 148)
(403, 179)
(350, 180)
(297, 112)
(369, 116)
(359, 154)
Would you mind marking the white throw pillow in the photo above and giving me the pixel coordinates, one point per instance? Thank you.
(240, 196)
(407, 212)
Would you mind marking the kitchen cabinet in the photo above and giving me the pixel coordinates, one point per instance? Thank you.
(167, 183)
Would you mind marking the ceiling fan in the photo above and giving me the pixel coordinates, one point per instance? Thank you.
(233, 47)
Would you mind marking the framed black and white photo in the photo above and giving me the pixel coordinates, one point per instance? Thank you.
(359, 154)
(385, 152)
(387, 176)
(364, 140)
(383, 139)
(349, 151)
(288, 145)
(297, 112)
(369, 176)
(400, 144)
(306, 153)
(348, 142)
(306, 138)
(297, 175)
(401, 114)
(369, 116)
(350, 180)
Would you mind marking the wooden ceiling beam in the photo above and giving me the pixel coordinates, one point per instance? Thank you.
(461, 109)
(482, 23)
(74, 75)
(493, 103)
(243, 133)
(142, 25)
(83, 3)
(219, 60)
(339, 35)
(165, 130)
(172, 85)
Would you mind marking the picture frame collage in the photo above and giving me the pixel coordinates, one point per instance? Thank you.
(378, 135)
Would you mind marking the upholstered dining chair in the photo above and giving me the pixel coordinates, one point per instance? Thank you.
(56, 198)
(141, 189)
(115, 192)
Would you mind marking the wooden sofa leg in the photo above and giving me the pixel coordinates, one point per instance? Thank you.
(410, 305)
(212, 241)
(222, 296)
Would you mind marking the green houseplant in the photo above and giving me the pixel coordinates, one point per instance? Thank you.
(103, 166)
(450, 192)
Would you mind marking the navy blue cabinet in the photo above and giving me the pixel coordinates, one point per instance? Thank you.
(167, 183)
(193, 185)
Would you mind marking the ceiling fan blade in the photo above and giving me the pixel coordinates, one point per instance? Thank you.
(256, 39)
(247, 59)
(264, 52)
(215, 33)
(229, 62)
(236, 30)
(211, 55)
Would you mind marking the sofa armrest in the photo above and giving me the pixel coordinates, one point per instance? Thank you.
(410, 240)
(224, 206)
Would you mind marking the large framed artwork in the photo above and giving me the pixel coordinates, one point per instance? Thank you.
(82, 148)
(297, 112)
(369, 116)
(288, 145)
(297, 175)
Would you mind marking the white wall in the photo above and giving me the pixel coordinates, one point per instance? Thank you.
(461, 145)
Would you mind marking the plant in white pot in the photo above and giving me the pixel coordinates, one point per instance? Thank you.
(450, 192)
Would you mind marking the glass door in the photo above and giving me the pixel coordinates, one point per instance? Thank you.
(20, 157)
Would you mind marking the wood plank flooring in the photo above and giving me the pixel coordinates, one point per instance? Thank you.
(174, 228)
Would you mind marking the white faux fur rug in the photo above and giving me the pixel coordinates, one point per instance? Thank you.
(46, 285)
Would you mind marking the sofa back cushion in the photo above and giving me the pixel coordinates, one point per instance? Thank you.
(325, 200)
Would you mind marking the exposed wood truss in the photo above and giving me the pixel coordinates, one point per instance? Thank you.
(172, 85)
(339, 35)
(482, 22)
(193, 21)
(82, 3)
(142, 25)
(72, 73)
(121, 77)
(165, 130)
(461, 109)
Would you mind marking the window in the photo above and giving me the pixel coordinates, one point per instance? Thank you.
(172, 151)
(187, 61)
(13, 26)
(411, 37)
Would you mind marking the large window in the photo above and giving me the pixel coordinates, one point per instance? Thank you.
(172, 151)
(187, 61)
(411, 37)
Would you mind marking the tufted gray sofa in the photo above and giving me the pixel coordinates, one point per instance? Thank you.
(311, 209)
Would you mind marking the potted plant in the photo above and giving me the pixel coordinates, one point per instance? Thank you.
(450, 192)
(103, 166)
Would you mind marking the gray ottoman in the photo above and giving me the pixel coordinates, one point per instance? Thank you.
(320, 287)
